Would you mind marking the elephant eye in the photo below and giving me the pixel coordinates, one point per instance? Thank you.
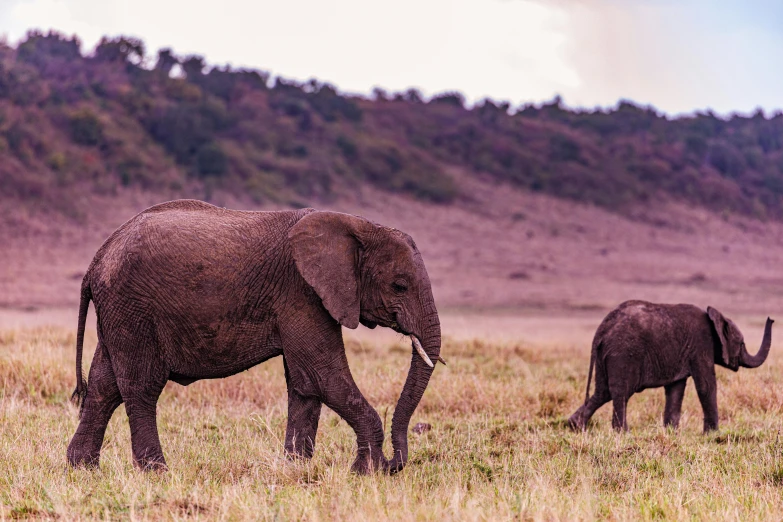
(400, 287)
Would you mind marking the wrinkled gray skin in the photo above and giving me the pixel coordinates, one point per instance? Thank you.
(642, 345)
(187, 291)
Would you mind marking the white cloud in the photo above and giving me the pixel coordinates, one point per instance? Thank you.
(678, 56)
(498, 48)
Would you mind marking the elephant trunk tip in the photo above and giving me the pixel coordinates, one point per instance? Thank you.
(754, 361)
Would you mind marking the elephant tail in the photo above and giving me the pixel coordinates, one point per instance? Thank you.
(81, 386)
(593, 355)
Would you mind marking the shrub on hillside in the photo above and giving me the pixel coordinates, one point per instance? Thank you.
(291, 149)
(631, 118)
(211, 160)
(490, 112)
(121, 49)
(726, 160)
(460, 142)
(386, 166)
(193, 67)
(696, 146)
(186, 127)
(227, 84)
(774, 182)
(297, 101)
(413, 96)
(39, 48)
(347, 147)
(23, 85)
(5, 82)
(455, 99)
(331, 106)
(770, 135)
(166, 62)
(85, 128)
(563, 148)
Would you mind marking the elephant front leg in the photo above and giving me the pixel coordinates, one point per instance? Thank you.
(303, 415)
(674, 395)
(339, 392)
(344, 397)
(707, 390)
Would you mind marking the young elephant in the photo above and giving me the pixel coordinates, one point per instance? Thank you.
(186, 291)
(642, 345)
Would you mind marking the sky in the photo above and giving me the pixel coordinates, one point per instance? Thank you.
(678, 56)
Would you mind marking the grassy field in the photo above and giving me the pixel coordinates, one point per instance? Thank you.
(498, 449)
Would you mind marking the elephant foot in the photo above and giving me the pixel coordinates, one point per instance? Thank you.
(395, 465)
(299, 449)
(370, 462)
(78, 459)
(153, 463)
(576, 422)
(710, 428)
(298, 455)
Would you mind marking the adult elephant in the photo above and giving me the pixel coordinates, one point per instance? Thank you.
(186, 291)
(642, 345)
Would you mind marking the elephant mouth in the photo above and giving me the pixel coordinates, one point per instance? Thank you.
(416, 343)
(396, 328)
(368, 324)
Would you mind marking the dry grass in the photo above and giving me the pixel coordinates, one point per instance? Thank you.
(498, 448)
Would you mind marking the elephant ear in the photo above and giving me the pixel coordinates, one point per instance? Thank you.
(326, 248)
(721, 325)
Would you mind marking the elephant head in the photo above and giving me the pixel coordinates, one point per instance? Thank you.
(373, 275)
(730, 351)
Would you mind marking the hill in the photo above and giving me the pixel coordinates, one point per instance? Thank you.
(73, 125)
(542, 209)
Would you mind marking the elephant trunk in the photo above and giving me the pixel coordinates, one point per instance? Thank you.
(418, 378)
(754, 361)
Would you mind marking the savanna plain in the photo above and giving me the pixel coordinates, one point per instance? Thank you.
(498, 448)
(519, 299)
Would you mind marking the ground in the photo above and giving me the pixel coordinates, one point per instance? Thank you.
(522, 282)
(498, 448)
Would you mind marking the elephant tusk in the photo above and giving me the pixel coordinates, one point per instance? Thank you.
(417, 345)
(442, 360)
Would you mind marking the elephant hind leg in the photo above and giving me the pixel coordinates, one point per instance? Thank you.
(674, 395)
(141, 379)
(140, 405)
(623, 377)
(303, 415)
(620, 404)
(103, 397)
(579, 420)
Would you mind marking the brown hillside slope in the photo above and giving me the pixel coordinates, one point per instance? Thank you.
(504, 250)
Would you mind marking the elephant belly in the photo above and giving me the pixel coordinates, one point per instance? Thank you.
(658, 378)
(215, 354)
